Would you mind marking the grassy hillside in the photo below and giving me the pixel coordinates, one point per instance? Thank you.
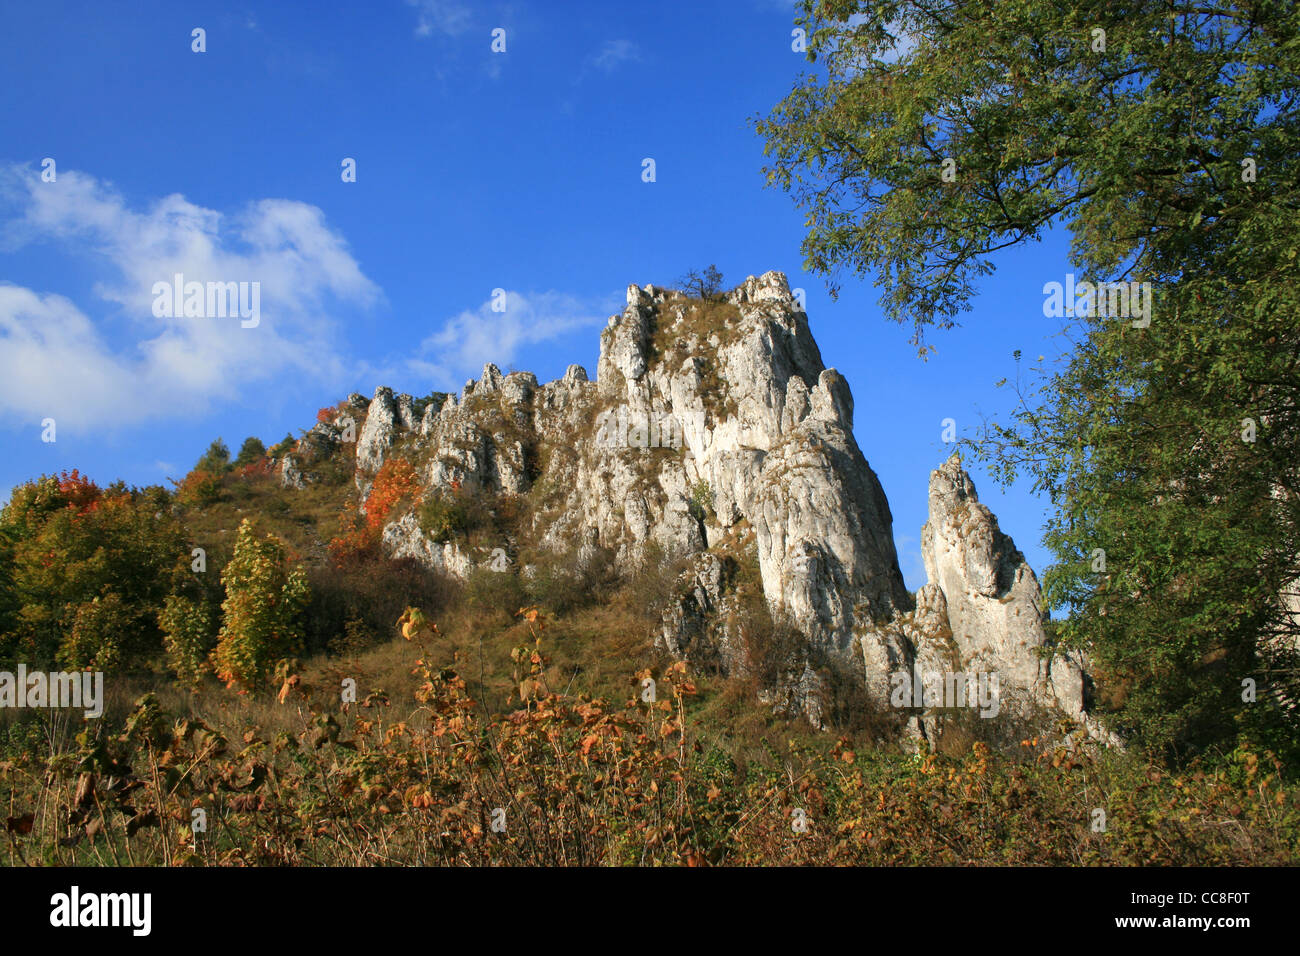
(522, 702)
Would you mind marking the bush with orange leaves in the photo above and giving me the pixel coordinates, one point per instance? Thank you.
(394, 483)
(565, 779)
(199, 487)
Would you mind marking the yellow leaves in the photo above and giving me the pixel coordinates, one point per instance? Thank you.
(713, 793)
(290, 682)
(414, 624)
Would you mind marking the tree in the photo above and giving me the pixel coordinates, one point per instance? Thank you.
(189, 629)
(199, 487)
(250, 452)
(936, 134)
(83, 574)
(282, 447)
(216, 460)
(702, 284)
(265, 598)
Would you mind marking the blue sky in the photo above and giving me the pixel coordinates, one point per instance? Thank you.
(475, 170)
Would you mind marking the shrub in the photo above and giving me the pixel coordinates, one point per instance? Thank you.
(189, 634)
(372, 590)
(199, 487)
(264, 600)
(499, 591)
(394, 482)
(589, 782)
(701, 502)
(83, 573)
(443, 517)
(94, 639)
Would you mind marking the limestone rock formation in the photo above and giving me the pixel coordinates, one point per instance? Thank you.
(714, 435)
(991, 597)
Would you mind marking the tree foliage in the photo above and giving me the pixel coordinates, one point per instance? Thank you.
(189, 628)
(265, 597)
(1164, 137)
(85, 572)
(250, 452)
(216, 460)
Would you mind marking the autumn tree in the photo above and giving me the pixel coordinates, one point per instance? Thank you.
(265, 597)
(83, 573)
(190, 622)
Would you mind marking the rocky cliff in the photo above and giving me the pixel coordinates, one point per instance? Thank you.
(715, 436)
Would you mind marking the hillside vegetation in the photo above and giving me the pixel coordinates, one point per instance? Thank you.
(386, 714)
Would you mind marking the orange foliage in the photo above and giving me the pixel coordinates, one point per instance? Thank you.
(79, 491)
(199, 487)
(395, 480)
(354, 540)
(255, 469)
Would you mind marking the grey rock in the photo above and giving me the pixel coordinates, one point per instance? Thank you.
(766, 463)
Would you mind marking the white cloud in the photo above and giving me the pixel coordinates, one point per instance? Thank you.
(53, 362)
(440, 16)
(127, 365)
(468, 341)
(614, 52)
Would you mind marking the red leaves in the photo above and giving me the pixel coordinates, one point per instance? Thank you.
(79, 491)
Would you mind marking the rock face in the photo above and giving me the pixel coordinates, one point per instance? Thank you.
(991, 598)
(714, 435)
